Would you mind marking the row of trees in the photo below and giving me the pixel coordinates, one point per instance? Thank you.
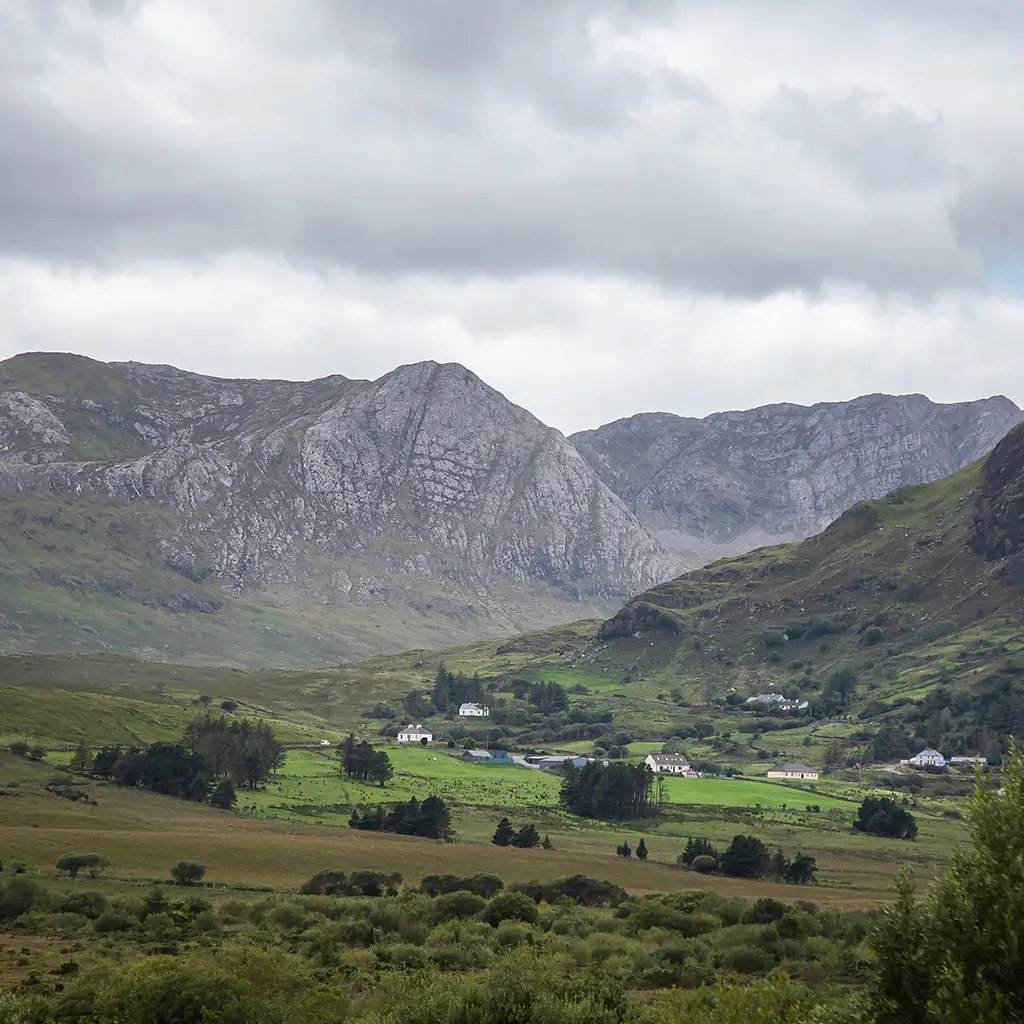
(244, 751)
(613, 792)
(882, 816)
(214, 756)
(431, 819)
(747, 857)
(526, 837)
(360, 761)
(624, 850)
(453, 688)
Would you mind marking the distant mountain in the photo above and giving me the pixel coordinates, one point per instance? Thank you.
(171, 515)
(371, 515)
(735, 480)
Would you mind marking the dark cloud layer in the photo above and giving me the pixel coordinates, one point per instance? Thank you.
(504, 138)
(601, 206)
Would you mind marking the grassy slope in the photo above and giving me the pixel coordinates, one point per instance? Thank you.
(948, 617)
(143, 834)
(86, 575)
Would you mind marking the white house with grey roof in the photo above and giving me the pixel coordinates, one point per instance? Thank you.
(667, 764)
(415, 734)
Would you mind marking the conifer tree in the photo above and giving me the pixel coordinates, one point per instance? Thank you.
(504, 833)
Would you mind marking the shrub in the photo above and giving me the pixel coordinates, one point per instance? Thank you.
(18, 897)
(160, 990)
(510, 906)
(704, 864)
(73, 863)
(110, 921)
(187, 872)
(765, 911)
(224, 796)
(748, 960)
(452, 905)
(88, 904)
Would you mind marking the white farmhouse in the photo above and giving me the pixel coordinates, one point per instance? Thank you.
(792, 770)
(928, 758)
(667, 764)
(474, 710)
(415, 734)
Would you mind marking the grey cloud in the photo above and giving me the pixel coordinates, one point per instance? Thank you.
(462, 137)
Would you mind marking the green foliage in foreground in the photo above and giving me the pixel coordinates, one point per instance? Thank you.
(959, 955)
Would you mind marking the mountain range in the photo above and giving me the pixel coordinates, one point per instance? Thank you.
(182, 517)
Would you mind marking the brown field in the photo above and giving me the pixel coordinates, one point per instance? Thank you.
(142, 834)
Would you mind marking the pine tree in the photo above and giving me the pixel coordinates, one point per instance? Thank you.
(504, 833)
(81, 760)
(641, 850)
(547, 844)
(527, 837)
(223, 795)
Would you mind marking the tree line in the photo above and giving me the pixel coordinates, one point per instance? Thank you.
(612, 792)
(212, 758)
(453, 688)
(360, 761)
(747, 857)
(431, 819)
(526, 837)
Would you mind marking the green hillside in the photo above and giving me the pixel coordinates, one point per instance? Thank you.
(900, 625)
(904, 617)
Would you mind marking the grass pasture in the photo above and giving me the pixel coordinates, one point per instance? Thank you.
(142, 834)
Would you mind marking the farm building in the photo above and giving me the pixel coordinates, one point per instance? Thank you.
(667, 764)
(474, 710)
(968, 761)
(552, 762)
(415, 734)
(478, 756)
(792, 770)
(777, 700)
(928, 758)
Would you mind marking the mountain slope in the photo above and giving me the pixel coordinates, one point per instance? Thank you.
(424, 499)
(735, 480)
(902, 625)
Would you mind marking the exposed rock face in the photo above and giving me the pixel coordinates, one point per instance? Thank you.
(176, 515)
(426, 473)
(998, 527)
(736, 480)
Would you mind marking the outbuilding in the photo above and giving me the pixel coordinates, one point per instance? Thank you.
(793, 770)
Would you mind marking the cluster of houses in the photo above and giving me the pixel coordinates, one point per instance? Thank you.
(417, 734)
(930, 758)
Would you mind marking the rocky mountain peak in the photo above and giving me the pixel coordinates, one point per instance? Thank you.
(736, 480)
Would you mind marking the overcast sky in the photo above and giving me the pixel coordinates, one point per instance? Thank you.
(601, 207)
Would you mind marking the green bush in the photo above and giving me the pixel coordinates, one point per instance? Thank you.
(748, 960)
(18, 897)
(704, 864)
(110, 921)
(188, 872)
(510, 906)
(88, 904)
(457, 905)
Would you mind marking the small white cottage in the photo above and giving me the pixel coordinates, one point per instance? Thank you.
(415, 734)
(474, 710)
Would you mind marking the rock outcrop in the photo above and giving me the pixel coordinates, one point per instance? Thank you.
(364, 490)
(736, 480)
